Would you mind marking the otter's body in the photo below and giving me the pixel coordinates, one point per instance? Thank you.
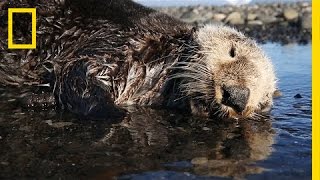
(100, 54)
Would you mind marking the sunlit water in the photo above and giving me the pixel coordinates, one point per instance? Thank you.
(160, 144)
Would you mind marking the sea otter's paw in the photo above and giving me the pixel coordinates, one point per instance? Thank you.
(77, 90)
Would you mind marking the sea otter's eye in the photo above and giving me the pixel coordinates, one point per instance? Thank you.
(232, 52)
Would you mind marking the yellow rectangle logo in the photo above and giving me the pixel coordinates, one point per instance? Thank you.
(11, 44)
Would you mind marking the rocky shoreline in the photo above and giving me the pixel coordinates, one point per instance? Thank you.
(277, 22)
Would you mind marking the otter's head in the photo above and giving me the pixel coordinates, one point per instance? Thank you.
(231, 77)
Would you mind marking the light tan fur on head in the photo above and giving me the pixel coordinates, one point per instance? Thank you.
(228, 58)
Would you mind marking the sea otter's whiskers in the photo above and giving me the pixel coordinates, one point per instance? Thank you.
(193, 71)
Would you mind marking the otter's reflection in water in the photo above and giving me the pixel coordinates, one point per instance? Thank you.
(44, 144)
(156, 139)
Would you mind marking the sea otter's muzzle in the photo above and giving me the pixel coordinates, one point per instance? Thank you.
(235, 97)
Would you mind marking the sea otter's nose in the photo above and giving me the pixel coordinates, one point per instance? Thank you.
(235, 97)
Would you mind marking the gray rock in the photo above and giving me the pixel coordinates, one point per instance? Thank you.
(235, 18)
(255, 22)
(290, 14)
(187, 15)
(61, 124)
(212, 21)
(284, 23)
(219, 16)
(196, 11)
(191, 17)
(305, 4)
(189, 20)
(199, 160)
(307, 9)
(253, 7)
(206, 129)
(5, 163)
(208, 15)
(268, 19)
(252, 16)
(306, 21)
(277, 94)
(58, 124)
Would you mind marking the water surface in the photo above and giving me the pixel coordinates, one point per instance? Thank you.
(158, 144)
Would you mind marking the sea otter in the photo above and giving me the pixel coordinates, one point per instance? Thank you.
(100, 55)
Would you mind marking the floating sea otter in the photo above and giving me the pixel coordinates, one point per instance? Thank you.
(98, 55)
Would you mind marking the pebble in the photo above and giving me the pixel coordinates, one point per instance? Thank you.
(298, 96)
(219, 16)
(235, 18)
(305, 4)
(206, 129)
(277, 94)
(187, 15)
(199, 160)
(255, 22)
(208, 15)
(25, 128)
(306, 21)
(290, 14)
(58, 124)
(61, 124)
(266, 19)
(252, 17)
(4, 163)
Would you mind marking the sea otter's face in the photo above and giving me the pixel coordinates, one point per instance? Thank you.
(233, 77)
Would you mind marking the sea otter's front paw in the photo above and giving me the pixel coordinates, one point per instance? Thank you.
(78, 92)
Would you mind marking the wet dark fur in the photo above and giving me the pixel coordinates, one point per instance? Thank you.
(81, 39)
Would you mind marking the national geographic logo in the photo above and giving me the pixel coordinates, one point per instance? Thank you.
(11, 44)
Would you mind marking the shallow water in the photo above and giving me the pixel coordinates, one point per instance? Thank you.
(157, 144)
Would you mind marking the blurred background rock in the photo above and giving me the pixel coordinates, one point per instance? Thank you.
(287, 21)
